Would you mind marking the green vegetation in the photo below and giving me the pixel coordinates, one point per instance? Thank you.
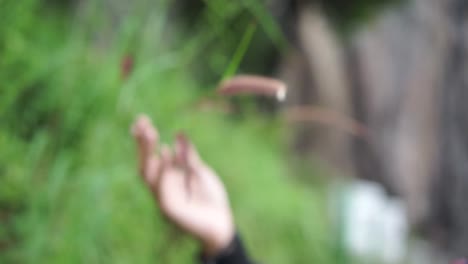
(69, 191)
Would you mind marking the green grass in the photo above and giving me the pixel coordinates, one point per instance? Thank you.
(69, 191)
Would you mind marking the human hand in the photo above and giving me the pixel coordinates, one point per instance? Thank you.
(188, 191)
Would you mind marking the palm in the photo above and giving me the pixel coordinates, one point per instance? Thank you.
(197, 204)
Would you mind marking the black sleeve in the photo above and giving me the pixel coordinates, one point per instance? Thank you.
(233, 254)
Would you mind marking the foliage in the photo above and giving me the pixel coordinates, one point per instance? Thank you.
(69, 192)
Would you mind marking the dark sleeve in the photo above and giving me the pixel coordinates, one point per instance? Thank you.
(233, 254)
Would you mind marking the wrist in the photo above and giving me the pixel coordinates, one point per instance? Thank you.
(219, 241)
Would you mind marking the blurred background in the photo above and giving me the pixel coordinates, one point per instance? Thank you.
(365, 162)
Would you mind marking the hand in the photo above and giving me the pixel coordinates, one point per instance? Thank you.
(189, 192)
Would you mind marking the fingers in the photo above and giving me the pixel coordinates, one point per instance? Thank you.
(146, 137)
(145, 134)
(154, 167)
(166, 157)
(181, 150)
(186, 155)
(188, 159)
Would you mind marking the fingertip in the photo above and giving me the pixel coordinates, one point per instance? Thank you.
(190, 153)
(143, 118)
(142, 121)
(143, 129)
(139, 124)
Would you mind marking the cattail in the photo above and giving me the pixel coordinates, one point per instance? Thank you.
(255, 85)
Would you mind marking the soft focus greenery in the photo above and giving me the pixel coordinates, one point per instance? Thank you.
(69, 191)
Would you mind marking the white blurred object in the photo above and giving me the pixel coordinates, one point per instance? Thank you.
(375, 225)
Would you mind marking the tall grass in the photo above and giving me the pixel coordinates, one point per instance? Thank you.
(69, 192)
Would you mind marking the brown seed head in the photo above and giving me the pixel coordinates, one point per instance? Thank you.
(253, 85)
